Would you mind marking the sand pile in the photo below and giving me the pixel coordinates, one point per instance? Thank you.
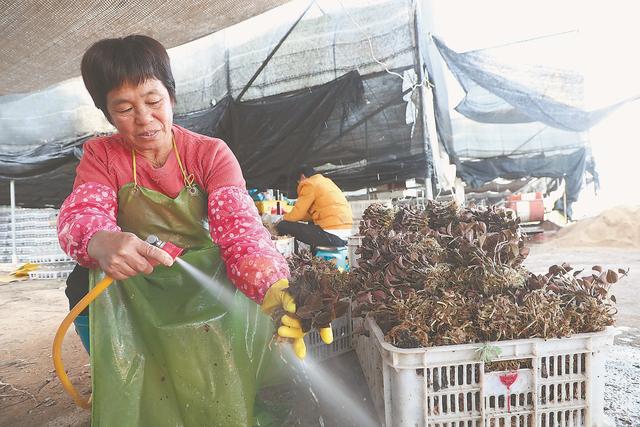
(618, 227)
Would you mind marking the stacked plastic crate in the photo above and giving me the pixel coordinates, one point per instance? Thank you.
(36, 241)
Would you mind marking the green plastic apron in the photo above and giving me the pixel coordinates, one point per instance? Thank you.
(164, 350)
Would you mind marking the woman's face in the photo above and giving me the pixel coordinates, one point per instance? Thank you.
(142, 114)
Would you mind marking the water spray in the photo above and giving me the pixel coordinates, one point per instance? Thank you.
(217, 290)
(311, 372)
(336, 395)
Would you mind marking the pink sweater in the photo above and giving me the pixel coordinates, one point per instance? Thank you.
(252, 261)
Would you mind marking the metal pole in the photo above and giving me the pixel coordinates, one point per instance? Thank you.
(14, 255)
(273, 52)
(428, 135)
(564, 201)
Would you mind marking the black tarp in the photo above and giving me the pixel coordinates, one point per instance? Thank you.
(48, 189)
(205, 122)
(42, 159)
(373, 144)
(271, 137)
(570, 166)
(353, 129)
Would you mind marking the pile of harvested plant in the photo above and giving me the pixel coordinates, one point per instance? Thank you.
(318, 289)
(442, 275)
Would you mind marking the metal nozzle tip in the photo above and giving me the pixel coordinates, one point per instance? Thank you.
(152, 239)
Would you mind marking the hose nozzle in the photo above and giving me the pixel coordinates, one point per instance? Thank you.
(168, 247)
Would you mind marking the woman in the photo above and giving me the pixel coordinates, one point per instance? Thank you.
(164, 350)
(321, 202)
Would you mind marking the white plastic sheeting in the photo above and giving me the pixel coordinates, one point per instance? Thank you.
(330, 40)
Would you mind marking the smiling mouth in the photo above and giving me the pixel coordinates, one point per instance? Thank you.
(149, 134)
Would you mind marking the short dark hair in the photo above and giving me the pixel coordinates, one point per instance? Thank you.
(109, 63)
(305, 170)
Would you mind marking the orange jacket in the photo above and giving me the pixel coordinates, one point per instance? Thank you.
(321, 201)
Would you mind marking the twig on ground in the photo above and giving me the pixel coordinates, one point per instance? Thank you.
(4, 386)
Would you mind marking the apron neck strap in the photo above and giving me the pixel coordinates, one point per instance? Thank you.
(188, 179)
(135, 174)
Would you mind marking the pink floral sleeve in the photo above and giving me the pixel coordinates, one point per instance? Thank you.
(253, 263)
(91, 207)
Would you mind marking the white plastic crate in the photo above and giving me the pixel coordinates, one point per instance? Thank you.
(354, 243)
(50, 274)
(29, 225)
(38, 241)
(448, 387)
(24, 234)
(28, 216)
(28, 251)
(285, 246)
(342, 339)
(51, 258)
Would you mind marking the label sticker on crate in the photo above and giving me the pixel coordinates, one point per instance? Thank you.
(521, 381)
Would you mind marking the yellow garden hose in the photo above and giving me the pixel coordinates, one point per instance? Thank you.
(62, 330)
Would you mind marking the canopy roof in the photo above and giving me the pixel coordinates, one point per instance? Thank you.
(43, 41)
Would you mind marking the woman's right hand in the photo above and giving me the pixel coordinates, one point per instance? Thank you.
(122, 255)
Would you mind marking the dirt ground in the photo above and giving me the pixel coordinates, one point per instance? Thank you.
(30, 393)
(30, 312)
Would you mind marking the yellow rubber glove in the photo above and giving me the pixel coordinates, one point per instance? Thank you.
(278, 296)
